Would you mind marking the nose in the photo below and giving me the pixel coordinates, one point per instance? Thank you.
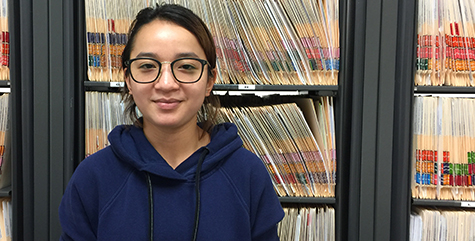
(166, 80)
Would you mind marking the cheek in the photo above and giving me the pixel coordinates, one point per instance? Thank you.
(139, 93)
(197, 97)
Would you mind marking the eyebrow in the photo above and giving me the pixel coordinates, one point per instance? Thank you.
(153, 55)
(146, 54)
(187, 54)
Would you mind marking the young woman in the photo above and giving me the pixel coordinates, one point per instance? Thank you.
(168, 177)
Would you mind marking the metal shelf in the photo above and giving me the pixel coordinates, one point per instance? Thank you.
(5, 83)
(443, 203)
(444, 90)
(276, 87)
(262, 90)
(307, 200)
(239, 89)
(103, 86)
(5, 86)
(6, 191)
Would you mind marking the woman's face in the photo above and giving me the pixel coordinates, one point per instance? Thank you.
(167, 103)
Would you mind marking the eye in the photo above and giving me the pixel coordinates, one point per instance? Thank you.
(187, 67)
(146, 66)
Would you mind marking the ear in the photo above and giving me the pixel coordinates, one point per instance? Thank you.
(210, 83)
(127, 82)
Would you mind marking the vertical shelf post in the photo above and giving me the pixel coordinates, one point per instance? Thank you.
(44, 120)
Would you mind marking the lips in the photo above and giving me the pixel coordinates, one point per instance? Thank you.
(167, 104)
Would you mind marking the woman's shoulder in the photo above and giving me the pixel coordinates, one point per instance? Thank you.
(245, 163)
(245, 156)
(102, 168)
(101, 158)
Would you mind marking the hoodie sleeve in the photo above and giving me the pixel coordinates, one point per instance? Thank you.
(75, 218)
(266, 211)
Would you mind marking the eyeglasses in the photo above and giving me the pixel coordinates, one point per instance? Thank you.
(147, 70)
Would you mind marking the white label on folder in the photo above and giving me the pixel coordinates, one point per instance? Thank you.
(467, 204)
(246, 87)
(116, 84)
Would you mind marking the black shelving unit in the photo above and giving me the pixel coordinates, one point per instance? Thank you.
(322, 90)
(4, 84)
(372, 105)
(6, 192)
(44, 79)
(443, 90)
(443, 203)
(307, 200)
(342, 104)
(340, 199)
(380, 70)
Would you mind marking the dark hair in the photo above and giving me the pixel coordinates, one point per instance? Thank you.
(185, 18)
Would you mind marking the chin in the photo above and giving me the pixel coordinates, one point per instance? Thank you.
(171, 121)
(170, 124)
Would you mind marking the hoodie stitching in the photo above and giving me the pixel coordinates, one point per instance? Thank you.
(81, 202)
(116, 194)
(236, 190)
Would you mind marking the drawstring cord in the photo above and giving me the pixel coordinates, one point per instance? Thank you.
(150, 205)
(197, 193)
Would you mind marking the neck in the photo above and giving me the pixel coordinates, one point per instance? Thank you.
(176, 145)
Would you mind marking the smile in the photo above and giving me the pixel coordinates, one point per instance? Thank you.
(167, 104)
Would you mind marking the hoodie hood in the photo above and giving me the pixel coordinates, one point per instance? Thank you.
(131, 146)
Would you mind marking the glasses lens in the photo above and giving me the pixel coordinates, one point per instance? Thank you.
(187, 70)
(144, 70)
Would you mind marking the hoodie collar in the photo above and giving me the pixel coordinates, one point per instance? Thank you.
(131, 146)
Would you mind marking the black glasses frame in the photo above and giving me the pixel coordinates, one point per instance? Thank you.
(129, 62)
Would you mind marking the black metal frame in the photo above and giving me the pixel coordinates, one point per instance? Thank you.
(44, 86)
(381, 72)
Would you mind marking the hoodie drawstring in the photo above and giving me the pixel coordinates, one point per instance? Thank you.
(197, 194)
(197, 191)
(150, 205)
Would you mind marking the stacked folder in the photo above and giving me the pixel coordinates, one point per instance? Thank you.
(445, 43)
(444, 148)
(442, 224)
(299, 158)
(104, 110)
(5, 139)
(5, 219)
(295, 140)
(307, 223)
(258, 42)
(4, 42)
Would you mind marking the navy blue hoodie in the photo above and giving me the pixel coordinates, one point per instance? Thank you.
(108, 195)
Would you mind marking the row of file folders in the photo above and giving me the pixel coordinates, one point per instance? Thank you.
(277, 42)
(5, 162)
(445, 43)
(441, 224)
(307, 223)
(443, 165)
(5, 219)
(4, 42)
(295, 138)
